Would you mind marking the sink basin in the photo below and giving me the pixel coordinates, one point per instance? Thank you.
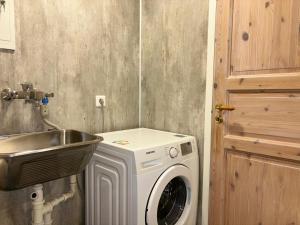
(34, 158)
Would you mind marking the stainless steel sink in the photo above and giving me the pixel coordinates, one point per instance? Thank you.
(35, 158)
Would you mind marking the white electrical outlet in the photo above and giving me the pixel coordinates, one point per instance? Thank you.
(100, 98)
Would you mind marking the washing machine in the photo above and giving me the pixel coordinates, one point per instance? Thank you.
(143, 177)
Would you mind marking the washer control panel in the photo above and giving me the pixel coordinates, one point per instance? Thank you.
(186, 148)
(173, 152)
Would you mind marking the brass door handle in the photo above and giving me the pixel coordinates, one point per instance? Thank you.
(221, 108)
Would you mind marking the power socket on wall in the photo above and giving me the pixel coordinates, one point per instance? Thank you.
(100, 98)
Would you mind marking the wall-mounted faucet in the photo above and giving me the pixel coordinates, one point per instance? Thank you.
(31, 95)
(28, 93)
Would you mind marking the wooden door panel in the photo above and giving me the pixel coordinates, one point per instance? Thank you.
(265, 35)
(271, 198)
(274, 116)
(278, 81)
(257, 70)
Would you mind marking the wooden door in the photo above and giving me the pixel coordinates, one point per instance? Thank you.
(255, 165)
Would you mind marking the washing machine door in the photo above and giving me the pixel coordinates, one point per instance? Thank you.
(170, 200)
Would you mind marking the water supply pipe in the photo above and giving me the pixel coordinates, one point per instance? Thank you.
(44, 111)
(41, 211)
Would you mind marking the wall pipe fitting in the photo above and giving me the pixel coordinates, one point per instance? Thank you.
(41, 211)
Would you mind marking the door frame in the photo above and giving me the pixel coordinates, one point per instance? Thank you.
(208, 109)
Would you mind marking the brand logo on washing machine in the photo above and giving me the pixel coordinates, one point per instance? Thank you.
(150, 152)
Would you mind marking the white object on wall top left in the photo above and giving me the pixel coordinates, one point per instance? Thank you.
(7, 25)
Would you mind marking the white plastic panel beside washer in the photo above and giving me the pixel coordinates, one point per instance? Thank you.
(108, 186)
(143, 176)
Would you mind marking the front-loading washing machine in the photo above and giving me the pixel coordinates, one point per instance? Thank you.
(143, 177)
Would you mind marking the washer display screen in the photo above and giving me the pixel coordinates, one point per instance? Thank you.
(172, 202)
(186, 148)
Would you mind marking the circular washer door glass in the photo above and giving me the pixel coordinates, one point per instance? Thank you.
(172, 202)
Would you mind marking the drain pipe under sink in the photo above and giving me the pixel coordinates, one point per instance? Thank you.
(41, 211)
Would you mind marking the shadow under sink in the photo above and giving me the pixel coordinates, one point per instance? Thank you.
(34, 158)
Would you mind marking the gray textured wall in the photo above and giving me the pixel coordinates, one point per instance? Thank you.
(76, 49)
(174, 44)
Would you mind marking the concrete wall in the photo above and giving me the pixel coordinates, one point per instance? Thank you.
(76, 49)
(174, 50)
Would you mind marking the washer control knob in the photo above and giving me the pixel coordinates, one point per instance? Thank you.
(173, 152)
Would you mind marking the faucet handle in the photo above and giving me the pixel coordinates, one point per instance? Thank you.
(27, 86)
(7, 94)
